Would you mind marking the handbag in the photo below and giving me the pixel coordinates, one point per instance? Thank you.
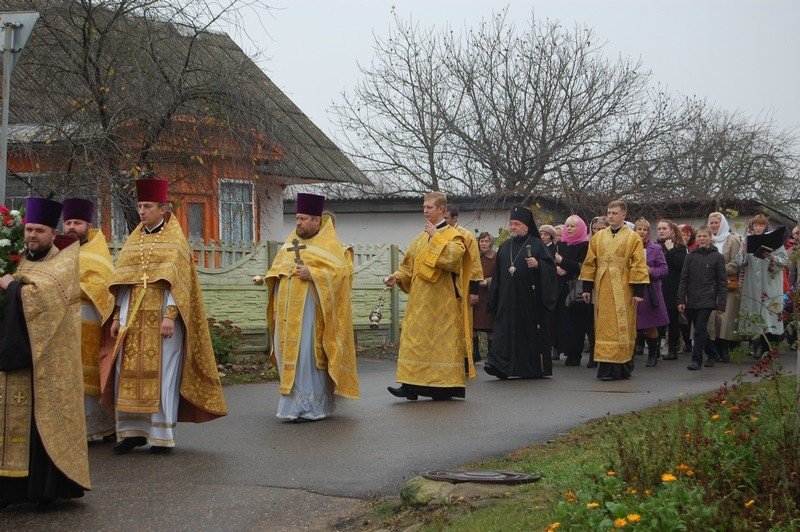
(574, 293)
(733, 283)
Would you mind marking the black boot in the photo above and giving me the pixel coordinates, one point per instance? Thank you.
(476, 349)
(723, 350)
(638, 349)
(129, 444)
(653, 352)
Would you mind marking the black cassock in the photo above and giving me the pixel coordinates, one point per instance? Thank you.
(521, 303)
(45, 482)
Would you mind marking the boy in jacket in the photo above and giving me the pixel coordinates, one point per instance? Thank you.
(702, 290)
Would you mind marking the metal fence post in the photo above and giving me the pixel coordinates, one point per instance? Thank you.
(395, 325)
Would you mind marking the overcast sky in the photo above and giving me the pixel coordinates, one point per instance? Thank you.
(740, 54)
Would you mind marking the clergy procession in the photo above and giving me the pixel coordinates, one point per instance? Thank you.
(96, 350)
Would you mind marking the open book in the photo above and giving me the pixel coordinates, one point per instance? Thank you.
(760, 245)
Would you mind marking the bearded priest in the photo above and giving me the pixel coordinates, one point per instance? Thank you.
(522, 295)
(42, 428)
(97, 269)
(162, 369)
(310, 317)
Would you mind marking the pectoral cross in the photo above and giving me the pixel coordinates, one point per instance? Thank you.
(144, 281)
(296, 247)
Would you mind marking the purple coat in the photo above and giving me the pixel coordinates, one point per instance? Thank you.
(646, 315)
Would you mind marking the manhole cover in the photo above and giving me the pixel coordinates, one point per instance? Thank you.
(482, 476)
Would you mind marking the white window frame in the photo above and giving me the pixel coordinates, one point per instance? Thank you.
(220, 182)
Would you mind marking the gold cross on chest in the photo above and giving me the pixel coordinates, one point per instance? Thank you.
(144, 281)
(296, 247)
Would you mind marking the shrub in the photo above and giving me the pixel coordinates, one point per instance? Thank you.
(225, 339)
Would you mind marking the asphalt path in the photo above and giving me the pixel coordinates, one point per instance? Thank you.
(250, 470)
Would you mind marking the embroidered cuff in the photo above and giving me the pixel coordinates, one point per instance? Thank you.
(172, 312)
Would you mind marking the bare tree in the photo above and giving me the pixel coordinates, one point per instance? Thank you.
(119, 86)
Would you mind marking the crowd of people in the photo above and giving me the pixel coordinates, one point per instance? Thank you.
(102, 350)
(697, 290)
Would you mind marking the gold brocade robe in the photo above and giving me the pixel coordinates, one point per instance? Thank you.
(166, 259)
(614, 263)
(437, 330)
(97, 270)
(51, 304)
(331, 267)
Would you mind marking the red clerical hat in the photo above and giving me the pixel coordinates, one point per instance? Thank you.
(154, 190)
(310, 204)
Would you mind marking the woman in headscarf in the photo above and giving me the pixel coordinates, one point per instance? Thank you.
(762, 291)
(598, 223)
(574, 315)
(482, 321)
(722, 327)
(671, 240)
(652, 312)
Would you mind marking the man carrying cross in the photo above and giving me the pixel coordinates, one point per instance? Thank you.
(310, 318)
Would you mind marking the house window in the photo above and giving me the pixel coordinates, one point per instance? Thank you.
(197, 221)
(236, 211)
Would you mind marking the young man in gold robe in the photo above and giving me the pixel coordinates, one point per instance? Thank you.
(437, 333)
(617, 272)
(43, 454)
(162, 369)
(476, 272)
(310, 317)
(96, 269)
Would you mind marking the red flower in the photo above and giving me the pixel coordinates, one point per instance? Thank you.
(8, 221)
(4, 210)
(14, 258)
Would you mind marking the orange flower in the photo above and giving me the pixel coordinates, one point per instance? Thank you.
(687, 436)
(570, 496)
(634, 518)
(611, 473)
(592, 505)
(730, 432)
(690, 473)
(648, 492)
(620, 522)
(682, 467)
(553, 526)
(715, 417)
(668, 477)
(749, 504)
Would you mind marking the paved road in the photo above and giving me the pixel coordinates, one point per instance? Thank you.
(252, 471)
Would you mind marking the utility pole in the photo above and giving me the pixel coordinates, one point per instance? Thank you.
(16, 27)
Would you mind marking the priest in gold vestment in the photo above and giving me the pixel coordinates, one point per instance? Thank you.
(43, 453)
(437, 333)
(310, 317)
(162, 369)
(97, 304)
(617, 272)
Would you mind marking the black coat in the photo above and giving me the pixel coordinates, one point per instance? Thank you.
(669, 284)
(521, 304)
(704, 283)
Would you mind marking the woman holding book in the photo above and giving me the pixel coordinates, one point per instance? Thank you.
(762, 289)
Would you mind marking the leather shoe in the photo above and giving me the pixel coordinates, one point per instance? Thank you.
(494, 372)
(129, 444)
(670, 356)
(709, 363)
(402, 391)
(591, 364)
(693, 366)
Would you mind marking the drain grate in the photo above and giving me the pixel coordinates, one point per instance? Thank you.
(481, 476)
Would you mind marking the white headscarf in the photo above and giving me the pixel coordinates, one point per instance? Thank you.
(722, 233)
